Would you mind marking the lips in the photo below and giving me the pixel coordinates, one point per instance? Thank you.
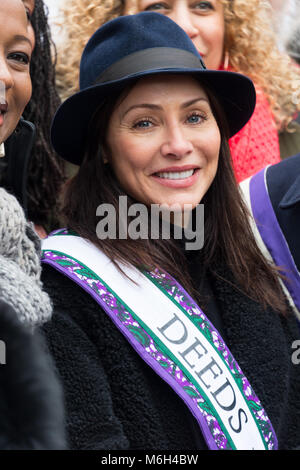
(177, 178)
(175, 175)
(3, 108)
(176, 172)
(3, 111)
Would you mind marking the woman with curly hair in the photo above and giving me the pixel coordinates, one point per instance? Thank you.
(231, 34)
(46, 169)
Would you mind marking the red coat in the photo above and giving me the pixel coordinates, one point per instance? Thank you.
(256, 145)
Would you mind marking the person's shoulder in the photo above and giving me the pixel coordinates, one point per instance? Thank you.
(68, 298)
(287, 169)
(283, 181)
(29, 379)
(54, 281)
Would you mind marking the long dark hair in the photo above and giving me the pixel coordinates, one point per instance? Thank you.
(46, 168)
(229, 240)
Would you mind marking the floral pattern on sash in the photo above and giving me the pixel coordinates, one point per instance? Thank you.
(91, 282)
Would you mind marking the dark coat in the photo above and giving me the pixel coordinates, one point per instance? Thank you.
(283, 182)
(273, 199)
(114, 400)
(31, 402)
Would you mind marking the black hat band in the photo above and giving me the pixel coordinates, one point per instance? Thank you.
(155, 58)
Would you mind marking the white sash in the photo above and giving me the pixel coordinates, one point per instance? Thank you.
(175, 338)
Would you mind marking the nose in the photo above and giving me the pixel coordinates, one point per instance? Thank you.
(176, 144)
(5, 74)
(183, 18)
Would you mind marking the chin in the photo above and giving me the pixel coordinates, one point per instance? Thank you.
(3, 137)
(180, 206)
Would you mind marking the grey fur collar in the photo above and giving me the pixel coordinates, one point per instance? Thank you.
(20, 269)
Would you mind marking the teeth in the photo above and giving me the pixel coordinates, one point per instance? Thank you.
(176, 175)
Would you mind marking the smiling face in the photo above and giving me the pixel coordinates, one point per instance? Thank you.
(164, 141)
(202, 21)
(15, 53)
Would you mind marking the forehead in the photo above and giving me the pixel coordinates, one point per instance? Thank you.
(14, 11)
(157, 87)
(14, 24)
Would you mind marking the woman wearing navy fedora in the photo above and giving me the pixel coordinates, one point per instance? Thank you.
(163, 340)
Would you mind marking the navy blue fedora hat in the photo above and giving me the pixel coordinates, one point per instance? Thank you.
(134, 46)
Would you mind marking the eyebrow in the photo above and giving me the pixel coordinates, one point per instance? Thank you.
(158, 107)
(21, 38)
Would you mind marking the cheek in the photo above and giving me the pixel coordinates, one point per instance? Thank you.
(213, 148)
(126, 156)
(28, 90)
(216, 38)
(213, 31)
(22, 94)
(24, 90)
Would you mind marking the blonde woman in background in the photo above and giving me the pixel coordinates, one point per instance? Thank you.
(230, 34)
(285, 16)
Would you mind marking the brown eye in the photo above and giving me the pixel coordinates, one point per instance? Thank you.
(19, 57)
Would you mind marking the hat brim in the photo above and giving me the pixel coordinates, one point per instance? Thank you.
(69, 131)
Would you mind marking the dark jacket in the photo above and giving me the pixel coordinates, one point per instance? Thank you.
(116, 401)
(283, 182)
(31, 403)
(273, 199)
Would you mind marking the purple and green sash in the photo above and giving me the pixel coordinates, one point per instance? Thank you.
(173, 336)
(269, 235)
